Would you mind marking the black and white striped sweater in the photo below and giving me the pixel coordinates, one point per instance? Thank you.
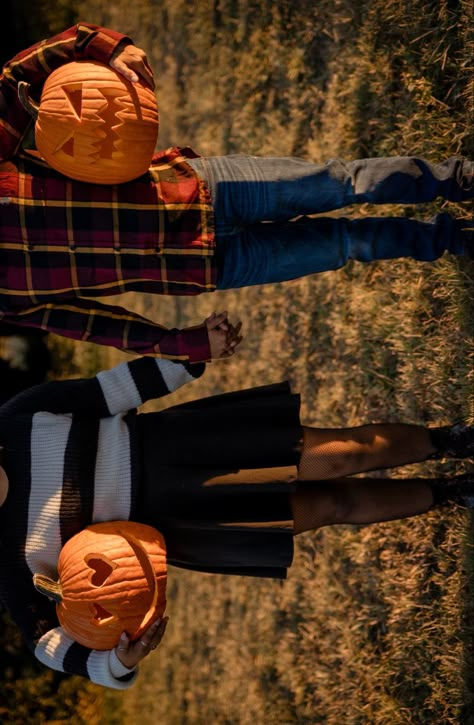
(71, 459)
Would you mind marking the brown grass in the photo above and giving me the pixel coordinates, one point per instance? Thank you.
(374, 623)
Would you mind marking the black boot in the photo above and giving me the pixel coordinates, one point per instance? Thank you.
(453, 441)
(458, 490)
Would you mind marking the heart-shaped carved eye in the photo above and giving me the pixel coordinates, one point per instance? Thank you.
(101, 568)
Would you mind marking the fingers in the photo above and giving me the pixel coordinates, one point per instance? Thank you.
(146, 73)
(224, 337)
(152, 637)
(217, 320)
(132, 63)
(124, 652)
(237, 328)
(220, 346)
(217, 343)
(159, 632)
(124, 643)
(233, 333)
(130, 653)
(220, 321)
(233, 338)
(143, 70)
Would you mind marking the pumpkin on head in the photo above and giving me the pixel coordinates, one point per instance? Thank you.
(93, 125)
(112, 579)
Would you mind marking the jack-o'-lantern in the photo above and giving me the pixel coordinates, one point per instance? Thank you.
(112, 579)
(93, 125)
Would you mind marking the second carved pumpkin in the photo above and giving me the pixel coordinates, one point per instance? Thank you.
(93, 125)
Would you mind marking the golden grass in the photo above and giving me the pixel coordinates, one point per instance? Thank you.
(374, 623)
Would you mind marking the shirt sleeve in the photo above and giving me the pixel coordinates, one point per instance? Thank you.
(81, 42)
(115, 326)
(36, 617)
(111, 392)
(57, 650)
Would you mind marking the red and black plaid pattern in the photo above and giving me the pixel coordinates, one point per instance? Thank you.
(63, 241)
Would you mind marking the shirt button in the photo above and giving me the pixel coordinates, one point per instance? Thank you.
(72, 247)
(116, 247)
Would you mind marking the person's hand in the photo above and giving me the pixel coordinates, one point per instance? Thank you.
(234, 337)
(132, 63)
(223, 336)
(130, 653)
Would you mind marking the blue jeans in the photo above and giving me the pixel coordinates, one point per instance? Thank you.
(256, 201)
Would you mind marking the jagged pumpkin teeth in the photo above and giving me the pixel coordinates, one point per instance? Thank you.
(93, 125)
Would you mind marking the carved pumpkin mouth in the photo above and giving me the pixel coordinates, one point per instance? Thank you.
(102, 616)
(97, 127)
(92, 125)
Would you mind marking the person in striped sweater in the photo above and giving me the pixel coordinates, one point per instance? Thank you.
(229, 480)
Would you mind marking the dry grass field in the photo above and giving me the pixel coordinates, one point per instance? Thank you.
(374, 624)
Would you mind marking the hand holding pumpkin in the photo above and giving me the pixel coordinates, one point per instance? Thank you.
(132, 63)
(130, 653)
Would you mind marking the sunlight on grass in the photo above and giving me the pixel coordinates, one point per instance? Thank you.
(374, 623)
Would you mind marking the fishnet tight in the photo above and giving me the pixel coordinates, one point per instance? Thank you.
(330, 456)
(341, 452)
(358, 501)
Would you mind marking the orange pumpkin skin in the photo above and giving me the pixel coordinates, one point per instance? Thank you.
(95, 126)
(113, 580)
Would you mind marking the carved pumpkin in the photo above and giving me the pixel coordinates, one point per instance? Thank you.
(93, 125)
(112, 579)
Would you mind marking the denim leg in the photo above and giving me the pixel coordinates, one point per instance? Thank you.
(410, 180)
(277, 252)
(249, 189)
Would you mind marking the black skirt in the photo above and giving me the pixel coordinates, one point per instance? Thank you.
(217, 474)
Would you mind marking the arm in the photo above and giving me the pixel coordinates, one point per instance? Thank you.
(110, 392)
(33, 65)
(57, 650)
(115, 326)
(54, 648)
(36, 617)
(116, 668)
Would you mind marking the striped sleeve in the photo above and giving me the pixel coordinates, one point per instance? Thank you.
(114, 391)
(58, 651)
(132, 383)
(36, 617)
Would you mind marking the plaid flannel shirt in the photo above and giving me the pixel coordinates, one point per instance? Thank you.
(64, 241)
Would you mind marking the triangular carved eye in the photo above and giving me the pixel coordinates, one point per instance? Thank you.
(101, 568)
(74, 95)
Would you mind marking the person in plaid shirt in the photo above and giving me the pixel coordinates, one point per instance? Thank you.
(190, 225)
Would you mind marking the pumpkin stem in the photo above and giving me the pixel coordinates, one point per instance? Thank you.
(25, 100)
(48, 587)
